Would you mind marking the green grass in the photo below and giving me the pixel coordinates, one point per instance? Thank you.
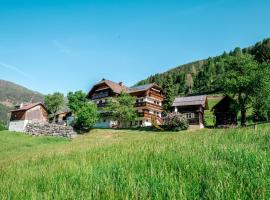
(122, 164)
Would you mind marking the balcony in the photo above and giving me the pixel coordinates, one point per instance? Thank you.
(148, 105)
(100, 95)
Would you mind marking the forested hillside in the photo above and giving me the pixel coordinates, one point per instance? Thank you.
(204, 76)
(12, 94)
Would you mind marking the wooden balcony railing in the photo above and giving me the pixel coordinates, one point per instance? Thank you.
(148, 105)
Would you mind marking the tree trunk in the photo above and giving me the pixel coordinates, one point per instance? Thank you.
(243, 117)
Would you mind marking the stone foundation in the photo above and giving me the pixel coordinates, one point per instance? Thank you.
(46, 129)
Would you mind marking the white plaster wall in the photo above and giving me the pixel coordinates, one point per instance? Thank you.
(195, 127)
(147, 123)
(105, 124)
(18, 126)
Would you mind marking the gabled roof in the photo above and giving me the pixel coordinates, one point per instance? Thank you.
(29, 106)
(143, 87)
(226, 102)
(116, 87)
(119, 87)
(191, 101)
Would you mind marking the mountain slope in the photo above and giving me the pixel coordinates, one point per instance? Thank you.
(12, 94)
(203, 76)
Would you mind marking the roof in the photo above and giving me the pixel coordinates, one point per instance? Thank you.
(226, 101)
(63, 113)
(116, 87)
(141, 87)
(28, 107)
(119, 87)
(191, 101)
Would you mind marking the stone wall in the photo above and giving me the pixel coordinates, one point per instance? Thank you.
(46, 129)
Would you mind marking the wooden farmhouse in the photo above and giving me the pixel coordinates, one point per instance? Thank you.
(193, 108)
(24, 114)
(225, 113)
(148, 102)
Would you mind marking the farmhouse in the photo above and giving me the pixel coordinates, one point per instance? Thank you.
(193, 108)
(148, 102)
(225, 113)
(27, 113)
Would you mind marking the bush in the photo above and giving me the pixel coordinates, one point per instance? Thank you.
(2, 127)
(175, 122)
(86, 117)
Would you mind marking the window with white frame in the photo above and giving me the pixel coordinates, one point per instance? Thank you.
(190, 115)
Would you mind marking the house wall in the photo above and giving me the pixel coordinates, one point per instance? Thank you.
(18, 125)
(105, 123)
(36, 114)
(197, 121)
(17, 115)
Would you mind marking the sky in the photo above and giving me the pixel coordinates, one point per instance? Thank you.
(68, 45)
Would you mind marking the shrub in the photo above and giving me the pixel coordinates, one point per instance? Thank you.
(2, 126)
(175, 122)
(86, 117)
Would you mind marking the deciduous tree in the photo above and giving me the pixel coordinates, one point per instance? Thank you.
(121, 108)
(240, 80)
(54, 102)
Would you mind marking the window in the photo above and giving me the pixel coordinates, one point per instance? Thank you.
(190, 115)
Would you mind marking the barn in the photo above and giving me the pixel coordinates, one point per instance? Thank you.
(193, 108)
(225, 112)
(26, 113)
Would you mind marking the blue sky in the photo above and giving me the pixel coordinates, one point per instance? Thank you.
(67, 45)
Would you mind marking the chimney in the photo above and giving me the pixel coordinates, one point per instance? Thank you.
(121, 83)
(21, 105)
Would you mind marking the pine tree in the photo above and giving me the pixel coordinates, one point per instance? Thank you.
(169, 94)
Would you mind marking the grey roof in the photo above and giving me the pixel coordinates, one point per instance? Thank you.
(190, 101)
(141, 87)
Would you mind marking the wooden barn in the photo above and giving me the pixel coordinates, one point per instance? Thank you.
(225, 113)
(24, 114)
(193, 108)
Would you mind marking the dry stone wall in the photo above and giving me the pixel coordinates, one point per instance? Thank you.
(47, 129)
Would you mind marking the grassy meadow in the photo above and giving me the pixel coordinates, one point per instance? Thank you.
(113, 164)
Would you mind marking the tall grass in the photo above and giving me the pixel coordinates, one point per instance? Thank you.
(107, 164)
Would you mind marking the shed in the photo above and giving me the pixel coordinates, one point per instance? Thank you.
(225, 112)
(26, 113)
(193, 108)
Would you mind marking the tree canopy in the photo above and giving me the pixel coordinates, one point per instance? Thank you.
(121, 108)
(54, 102)
(85, 113)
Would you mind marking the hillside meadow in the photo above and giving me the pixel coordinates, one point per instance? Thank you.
(125, 164)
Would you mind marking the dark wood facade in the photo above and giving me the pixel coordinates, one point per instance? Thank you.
(225, 113)
(194, 114)
(192, 108)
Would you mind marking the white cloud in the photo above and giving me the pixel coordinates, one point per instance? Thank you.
(14, 69)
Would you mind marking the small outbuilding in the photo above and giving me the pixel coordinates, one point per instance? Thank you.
(27, 113)
(193, 108)
(64, 118)
(225, 112)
